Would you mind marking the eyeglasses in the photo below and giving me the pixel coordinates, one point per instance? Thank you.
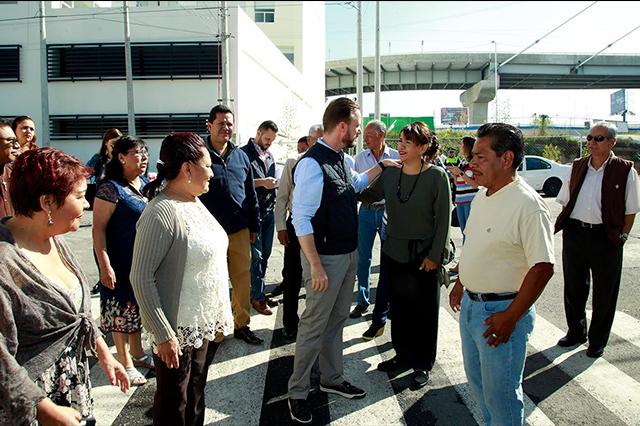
(13, 142)
(598, 138)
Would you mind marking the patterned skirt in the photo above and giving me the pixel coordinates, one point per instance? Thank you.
(67, 382)
(119, 317)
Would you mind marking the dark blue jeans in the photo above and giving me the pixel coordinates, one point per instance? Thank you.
(260, 252)
(369, 224)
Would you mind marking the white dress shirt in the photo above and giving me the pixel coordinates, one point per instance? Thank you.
(588, 206)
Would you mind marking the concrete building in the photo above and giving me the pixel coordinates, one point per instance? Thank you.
(276, 68)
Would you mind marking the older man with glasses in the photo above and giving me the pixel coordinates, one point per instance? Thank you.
(9, 149)
(600, 199)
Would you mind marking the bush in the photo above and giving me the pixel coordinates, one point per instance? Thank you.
(551, 152)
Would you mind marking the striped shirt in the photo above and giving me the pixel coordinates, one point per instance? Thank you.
(464, 192)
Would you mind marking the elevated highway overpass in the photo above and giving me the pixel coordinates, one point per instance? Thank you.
(474, 73)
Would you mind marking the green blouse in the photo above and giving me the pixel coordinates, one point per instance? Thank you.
(424, 219)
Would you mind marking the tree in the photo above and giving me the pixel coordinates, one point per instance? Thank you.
(542, 122)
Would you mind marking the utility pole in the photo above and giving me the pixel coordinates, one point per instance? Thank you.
(44, 77)
(495, 75)
(377, 63)
(359, 73)
(225, 53)
(131, 112)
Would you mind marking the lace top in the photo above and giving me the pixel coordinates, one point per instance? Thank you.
(205, 308)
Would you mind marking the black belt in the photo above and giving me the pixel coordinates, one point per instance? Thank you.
(585, 224)
(373, 206)
(490, 297)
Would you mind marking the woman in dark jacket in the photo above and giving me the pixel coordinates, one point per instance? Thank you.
(417, 199)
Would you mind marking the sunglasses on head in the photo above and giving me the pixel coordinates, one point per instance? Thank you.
(598, 138)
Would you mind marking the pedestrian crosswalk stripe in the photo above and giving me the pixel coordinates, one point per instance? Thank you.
(606, 383)
(625, 326)
(361, 359)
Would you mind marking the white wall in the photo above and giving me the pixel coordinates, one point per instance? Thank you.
(277, 90)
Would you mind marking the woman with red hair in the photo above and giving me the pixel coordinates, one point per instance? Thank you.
(45, 310)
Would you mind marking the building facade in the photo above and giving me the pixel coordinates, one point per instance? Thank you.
(276, 68)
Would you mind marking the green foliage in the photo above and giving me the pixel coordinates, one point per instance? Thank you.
(551, 152)
(542, 122)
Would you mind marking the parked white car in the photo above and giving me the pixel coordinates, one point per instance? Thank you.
(543, 174)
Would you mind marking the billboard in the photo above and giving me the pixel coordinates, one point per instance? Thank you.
(619, 102)
(454, 116)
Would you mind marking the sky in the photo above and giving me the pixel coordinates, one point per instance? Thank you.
(436, 27)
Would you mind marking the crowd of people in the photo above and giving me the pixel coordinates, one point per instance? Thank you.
(168, 249)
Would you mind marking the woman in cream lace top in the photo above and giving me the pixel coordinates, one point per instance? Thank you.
(180, 278)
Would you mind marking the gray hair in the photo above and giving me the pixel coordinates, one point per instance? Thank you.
(609, 127)
(315, 128)
(380, 127)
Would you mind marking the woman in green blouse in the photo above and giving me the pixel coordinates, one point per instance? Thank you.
(418, 200)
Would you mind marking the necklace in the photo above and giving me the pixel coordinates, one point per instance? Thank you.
(415, 183)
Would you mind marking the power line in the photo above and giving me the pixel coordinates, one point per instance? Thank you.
(117, 11)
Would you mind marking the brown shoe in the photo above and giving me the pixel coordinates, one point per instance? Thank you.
(261, 306)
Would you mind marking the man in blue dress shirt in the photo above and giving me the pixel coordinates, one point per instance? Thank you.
(325, 219)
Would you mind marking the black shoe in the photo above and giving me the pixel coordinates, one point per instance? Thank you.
(373, 332)
(344, 389)
(419, 379)
(289, 334)
(247, 335)
(271, 303)
(394, 364)
(595, 351)
(569, 340)
(276, 291)
(299, 410)
(96, 288)
(358, 311)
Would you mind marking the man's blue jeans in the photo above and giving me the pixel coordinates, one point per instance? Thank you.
(495, 374)
(260, 252)
(369, 224)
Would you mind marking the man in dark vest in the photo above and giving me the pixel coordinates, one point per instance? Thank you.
(325, 219)
(600, 199)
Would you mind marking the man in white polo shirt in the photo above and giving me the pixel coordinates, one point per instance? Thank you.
(506, 263)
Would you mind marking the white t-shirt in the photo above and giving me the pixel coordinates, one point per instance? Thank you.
(507, 233)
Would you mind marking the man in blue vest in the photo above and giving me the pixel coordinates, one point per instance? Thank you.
(325, 219)
(600, 199)
(265, 182)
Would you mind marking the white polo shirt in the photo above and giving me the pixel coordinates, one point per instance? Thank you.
(507, 233)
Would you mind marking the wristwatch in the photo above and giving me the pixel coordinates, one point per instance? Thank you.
(624, 237)
(382, 166)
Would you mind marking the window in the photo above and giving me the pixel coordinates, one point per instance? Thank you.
(10, 60)
(537, 164)
(105, 61)
(288, 53)
(264, 15)
(147, 125)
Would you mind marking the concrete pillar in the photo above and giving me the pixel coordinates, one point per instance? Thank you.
(477, 98)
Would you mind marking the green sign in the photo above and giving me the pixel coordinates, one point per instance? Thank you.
(395, 124)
